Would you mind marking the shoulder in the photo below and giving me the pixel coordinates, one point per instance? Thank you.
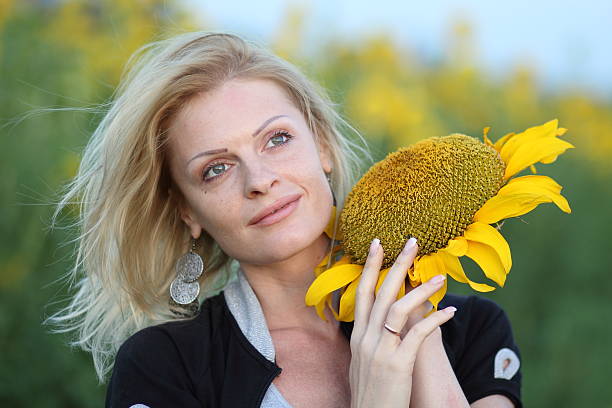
(176, 337)
(474, 315)
(167, 363)
(478, 324)
(481, 348)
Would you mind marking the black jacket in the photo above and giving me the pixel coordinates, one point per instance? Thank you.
(208, 362)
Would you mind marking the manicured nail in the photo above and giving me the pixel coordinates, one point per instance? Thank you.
(410, 243)
(450, 310)
(374, 246)
(437, 279)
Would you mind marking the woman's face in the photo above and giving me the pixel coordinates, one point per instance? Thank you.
(237, 150)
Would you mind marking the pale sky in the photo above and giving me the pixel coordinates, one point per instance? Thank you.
(567, 41)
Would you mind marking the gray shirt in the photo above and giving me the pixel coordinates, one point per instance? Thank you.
(245, 307)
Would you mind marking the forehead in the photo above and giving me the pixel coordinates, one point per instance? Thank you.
(236, 107)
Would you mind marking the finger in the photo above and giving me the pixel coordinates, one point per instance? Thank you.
(390, 287)
(413, 302)
(417, 334)
(364, 296)
(416, 315)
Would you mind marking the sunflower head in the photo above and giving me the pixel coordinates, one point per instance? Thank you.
(446, 192)
(430, 190)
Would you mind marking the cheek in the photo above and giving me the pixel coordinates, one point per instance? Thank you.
(220, 214)
(302, 167)
(214, 211)
(303, 163)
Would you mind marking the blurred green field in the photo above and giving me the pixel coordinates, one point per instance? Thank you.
(55, 56)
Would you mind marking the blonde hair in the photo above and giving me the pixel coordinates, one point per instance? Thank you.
(130, 231)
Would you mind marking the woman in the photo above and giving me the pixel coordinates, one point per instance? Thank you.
(214, 146)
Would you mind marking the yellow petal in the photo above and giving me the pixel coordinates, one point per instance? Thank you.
(328, 301)
(439, 295)
(488, 260)
(536, 144)
(455, 270)
(347, 303)
(551, 159)
(514, 141)
(502, 141)
(347, 300)
(331, 280)
(485, 132)
(427, 267)
(519, 196)
(329, 230)
(320, 308)
(533, 151)
(486, 234)
(322, 266)
(456, 247)
(537, 185)
(413, 279)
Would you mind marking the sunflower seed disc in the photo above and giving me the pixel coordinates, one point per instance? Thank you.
(189, 267)
(184, 293)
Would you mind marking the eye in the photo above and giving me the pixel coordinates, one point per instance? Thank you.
(215, 169)
(277, 138)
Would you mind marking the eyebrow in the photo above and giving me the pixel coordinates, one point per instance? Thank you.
(258, 131)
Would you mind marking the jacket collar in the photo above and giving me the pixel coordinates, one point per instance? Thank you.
(253, 353)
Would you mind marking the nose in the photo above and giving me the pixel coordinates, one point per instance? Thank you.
(259, 179)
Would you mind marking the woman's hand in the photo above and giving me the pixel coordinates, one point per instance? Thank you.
(382, 362)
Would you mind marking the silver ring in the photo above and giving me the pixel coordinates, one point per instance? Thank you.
(391, 330)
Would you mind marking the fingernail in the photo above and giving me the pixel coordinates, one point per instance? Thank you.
(437, 279)
(374, 246)
(410, 243)
(450, 310)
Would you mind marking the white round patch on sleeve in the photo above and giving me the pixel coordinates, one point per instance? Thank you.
(507, 364)
(139, 406)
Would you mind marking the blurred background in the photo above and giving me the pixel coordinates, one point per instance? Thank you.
(399, 74)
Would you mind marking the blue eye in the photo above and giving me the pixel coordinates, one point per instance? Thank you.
(216, 169)
(278, 137)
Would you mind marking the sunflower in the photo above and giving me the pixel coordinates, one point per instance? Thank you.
(450, 193)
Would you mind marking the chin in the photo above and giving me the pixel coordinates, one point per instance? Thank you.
(292, 240)
(279, 246)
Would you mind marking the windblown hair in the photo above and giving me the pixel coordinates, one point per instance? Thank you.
(130, 230)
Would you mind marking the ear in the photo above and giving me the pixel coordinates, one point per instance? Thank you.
(325, 157)
(186, 213)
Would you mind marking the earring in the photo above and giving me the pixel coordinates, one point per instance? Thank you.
(329, 180)
(185, 288)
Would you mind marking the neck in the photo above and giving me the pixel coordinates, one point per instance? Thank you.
(282, 286)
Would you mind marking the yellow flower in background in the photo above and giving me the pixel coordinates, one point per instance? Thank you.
(446, 192)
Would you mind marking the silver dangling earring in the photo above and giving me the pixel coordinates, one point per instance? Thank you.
(185, 288)
(329, 180)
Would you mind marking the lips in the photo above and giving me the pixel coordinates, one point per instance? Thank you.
(277, 205)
